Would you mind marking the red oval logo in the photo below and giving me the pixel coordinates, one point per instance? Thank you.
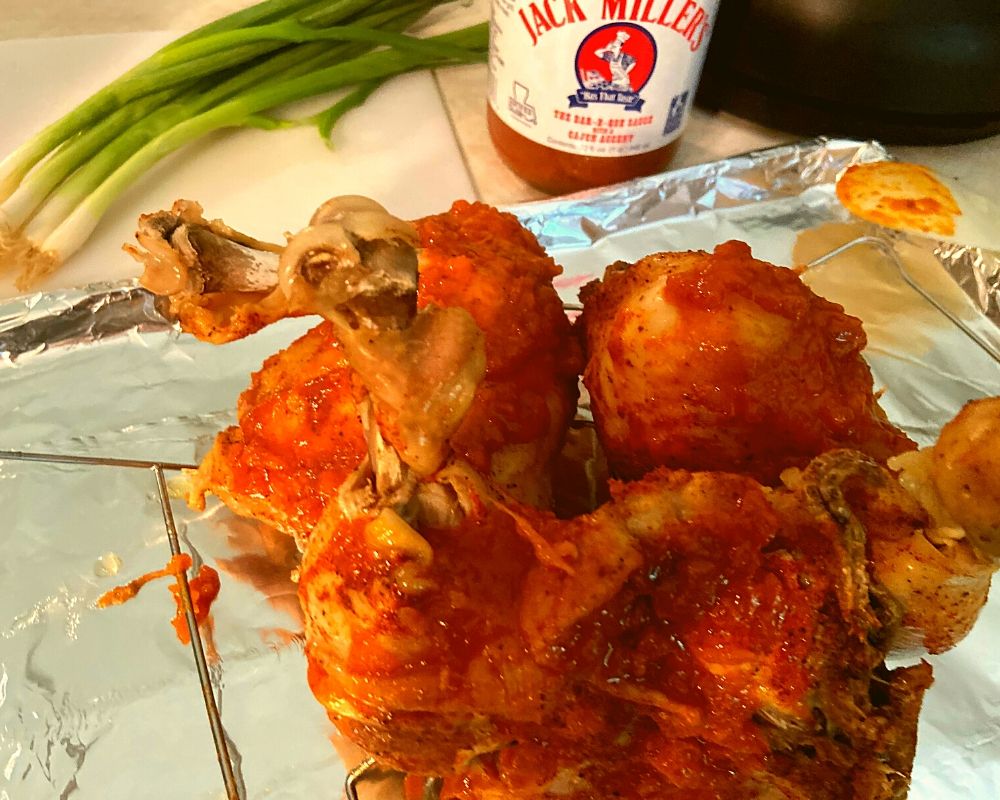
(619, 56)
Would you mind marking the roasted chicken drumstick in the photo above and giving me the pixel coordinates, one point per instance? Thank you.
(299, 435)
(716, 630)
(699, 636)
(719, 361)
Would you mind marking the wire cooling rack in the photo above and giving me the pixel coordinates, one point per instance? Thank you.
(157, 470)
(886, 249)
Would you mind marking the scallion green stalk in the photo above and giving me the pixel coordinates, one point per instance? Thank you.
(373, 66)
(163, 68)
(326, 120)
(230, 73)
(29, 196)
(80, 165)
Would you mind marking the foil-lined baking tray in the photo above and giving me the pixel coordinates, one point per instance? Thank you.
(105, 703)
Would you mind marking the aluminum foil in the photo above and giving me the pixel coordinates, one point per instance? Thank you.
(105, 703)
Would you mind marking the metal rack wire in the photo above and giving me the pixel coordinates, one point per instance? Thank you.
(369, 769)
(887, 249)
(158, 468)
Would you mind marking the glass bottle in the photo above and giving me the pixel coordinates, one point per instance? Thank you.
(585, 93)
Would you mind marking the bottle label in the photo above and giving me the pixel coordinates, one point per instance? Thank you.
(597, 77)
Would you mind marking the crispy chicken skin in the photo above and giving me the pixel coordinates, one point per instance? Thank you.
(940, 574)
(299, 436)
(719, 361)
(699, 636)
(479, 259)
(297, 439)
(965, 472)
(934, 574)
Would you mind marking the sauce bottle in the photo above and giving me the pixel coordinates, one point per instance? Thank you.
(585, 93)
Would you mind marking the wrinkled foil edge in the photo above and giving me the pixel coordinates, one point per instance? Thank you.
(34, 323)
(583, 219)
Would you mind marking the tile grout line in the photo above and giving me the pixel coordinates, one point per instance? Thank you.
(458, 139)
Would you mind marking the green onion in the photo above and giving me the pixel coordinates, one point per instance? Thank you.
(326, 120)
(152, 75)
(55, 188)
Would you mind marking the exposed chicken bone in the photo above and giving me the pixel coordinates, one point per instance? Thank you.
(356, 265)
(185, 253)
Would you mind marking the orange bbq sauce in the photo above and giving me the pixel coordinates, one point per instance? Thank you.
(556, 172)
(586, 93)
(204, 589)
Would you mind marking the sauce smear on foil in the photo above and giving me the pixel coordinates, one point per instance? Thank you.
(204, 589)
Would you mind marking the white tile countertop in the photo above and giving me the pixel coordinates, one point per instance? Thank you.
(53, 55)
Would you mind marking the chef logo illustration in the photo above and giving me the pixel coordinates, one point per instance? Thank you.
(613, 64)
